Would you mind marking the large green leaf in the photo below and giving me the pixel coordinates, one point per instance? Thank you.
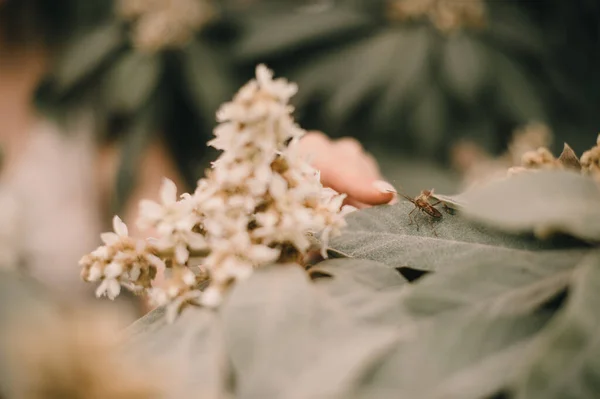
(464, 67)
(513, 285)
(566, 363)
(191, 351)
(367, 71)
(133, 146)
(411, 68)
(510, 27)
(286, 339)
(322, 77)
(370, 291)
(374, 292)
(429, 120)
(131, 81)
(85, 54)
(266, 35)
(543, 201)
(384, 234)
(461, 355)
(206, 79)
(517, 94)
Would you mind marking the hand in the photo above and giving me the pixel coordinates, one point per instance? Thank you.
(347, 168)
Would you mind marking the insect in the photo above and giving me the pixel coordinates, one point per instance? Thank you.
(421, 203)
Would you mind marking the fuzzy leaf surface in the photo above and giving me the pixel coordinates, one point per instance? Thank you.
(464, 355)
(383, 234)
(543, 202)
(286, 339)
(370, 291)
(566, 363)
(191, 351)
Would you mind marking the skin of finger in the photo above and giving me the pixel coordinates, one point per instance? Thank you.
(349, 145)
(346, 168)
(355, 203)
(354, 182)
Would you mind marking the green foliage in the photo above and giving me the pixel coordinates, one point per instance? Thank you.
(541, 202)
(100, 71)
(411, 84)
(453, 310)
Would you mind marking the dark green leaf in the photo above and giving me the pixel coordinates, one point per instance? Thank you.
(85, 54)
(566, 361)
(368, 70)
(286, 339)
(517, 95)
(411, 63)
(284, 32)
(134, 144)
(384, 234)
(322, 77)
(464, 67)
(544, 202)
(509, 25)
(429, 120)
(190, 350)
(207, 79)
(131, 82)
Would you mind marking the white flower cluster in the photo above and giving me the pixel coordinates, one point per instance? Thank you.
(159, 24)
(257, 205)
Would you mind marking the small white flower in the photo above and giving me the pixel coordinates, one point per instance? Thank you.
(120, 231)
(109, 287)
(211, 297)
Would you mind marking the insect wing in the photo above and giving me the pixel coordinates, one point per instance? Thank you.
(431, 211)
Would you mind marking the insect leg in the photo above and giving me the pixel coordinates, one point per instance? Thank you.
(412, 220)
(431, 224)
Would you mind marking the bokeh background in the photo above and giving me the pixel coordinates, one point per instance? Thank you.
(131, 87)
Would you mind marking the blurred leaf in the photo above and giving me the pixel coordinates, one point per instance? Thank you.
(287, 340)
(85, 54)
(544, 202)
(429, 120)
(191, 351)
(207, 80)
(517, 94)
(515, 285)
(369, 291)
(133, 145)
(322, 77)
(366, 71)
(283, 32)
(566, 362)
(411, 68)
(131, 82)
(383, 234)
(509, 25)
(464, 67)
(374, 275)
(462, 355)
(24, 304)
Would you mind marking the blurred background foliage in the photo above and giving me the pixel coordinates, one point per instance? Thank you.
(409, 78)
